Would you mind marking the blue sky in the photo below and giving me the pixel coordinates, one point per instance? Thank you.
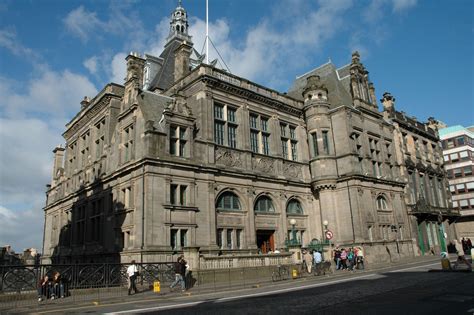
(54, 52)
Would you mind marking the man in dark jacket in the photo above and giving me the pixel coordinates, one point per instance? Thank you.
(179, 272)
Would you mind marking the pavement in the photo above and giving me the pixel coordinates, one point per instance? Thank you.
(228, 296)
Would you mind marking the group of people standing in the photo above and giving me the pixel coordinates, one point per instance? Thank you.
(51, 287)
(348, 258)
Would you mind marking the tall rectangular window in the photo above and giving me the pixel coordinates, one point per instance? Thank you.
(127, 140)
(219, 237)
(284, 148)
(183, 238)
(174, 238)
(232, 130)
(100, 138)
(238, 237)
(173, 192)
(225, 125)
(178, 194)
(85, 148)
(229, 238)
(314, 138)
(325, 141)
(177, 140)
(254, 141)
(266, 149)
(288, 143)
(259, 134)
(294, 153)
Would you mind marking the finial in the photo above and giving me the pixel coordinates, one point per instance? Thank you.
(180, 3)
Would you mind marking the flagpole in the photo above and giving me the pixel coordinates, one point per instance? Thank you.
(207, 32)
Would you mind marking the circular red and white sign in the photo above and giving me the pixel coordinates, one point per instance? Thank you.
(329, 234)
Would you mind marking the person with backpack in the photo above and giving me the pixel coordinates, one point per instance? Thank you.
(350, 259)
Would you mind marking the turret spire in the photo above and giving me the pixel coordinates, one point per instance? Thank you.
(179, 24)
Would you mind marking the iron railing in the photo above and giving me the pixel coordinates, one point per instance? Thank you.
(81, 276)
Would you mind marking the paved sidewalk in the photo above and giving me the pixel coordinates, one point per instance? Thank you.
(119, 295)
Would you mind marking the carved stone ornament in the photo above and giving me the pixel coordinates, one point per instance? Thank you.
(263, 164)
(179, 106)
(228, 157)
(360, 191)
(291, 170)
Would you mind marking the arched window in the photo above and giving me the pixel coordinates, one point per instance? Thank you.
(381, 203)
(294, 207)
(228, 201)
(264, 204)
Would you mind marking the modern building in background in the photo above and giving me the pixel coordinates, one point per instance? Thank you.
(187, 155)
(458, 150)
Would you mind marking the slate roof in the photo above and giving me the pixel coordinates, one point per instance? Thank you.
(152, 106)
(165, 76)
(339, 90)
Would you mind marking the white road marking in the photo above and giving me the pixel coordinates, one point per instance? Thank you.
(157, 308)
(416, 267)
(164, 307)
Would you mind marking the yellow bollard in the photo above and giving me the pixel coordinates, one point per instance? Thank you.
(294, 273)
(156, 287)
(445, 264)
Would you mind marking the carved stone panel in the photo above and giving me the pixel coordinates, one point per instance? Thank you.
(263, 164)
(292, 170)
(228, 157)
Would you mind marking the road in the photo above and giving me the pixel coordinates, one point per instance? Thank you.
(403, 290)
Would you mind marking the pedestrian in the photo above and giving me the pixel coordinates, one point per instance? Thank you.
(58, 286)
(317, 259)
(464, 245)
(132, 272)
(360, 258)
(469, 243)
(43, 288)
(179, 272)
(308, 259)
(337, 258)
(350, 259)
(344, 259)
(461, 258)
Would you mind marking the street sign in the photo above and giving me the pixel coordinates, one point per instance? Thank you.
(329, 234)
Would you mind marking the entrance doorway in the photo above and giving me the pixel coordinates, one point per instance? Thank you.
(265, 240)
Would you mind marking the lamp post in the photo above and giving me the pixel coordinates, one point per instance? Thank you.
(293, 232)
(325, 223)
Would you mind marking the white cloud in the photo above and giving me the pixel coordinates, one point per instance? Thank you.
(28, 168)
(82, 23)
(21, 229)
(401, 5)
(118, 68)
(54, 93)
(91, 64)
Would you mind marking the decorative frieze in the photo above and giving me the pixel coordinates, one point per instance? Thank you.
(228, 157)
(292, 170)
(263, 164)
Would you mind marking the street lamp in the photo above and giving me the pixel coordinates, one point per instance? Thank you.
(293, 231)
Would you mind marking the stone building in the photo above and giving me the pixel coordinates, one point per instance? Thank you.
(458, 150)
(188, 155)
(420, 157)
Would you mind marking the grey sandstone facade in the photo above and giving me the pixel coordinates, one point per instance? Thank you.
(187, 155)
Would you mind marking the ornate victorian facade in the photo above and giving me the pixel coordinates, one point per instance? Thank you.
(187, 155)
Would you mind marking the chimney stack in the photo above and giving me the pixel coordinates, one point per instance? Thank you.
(182, 55)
